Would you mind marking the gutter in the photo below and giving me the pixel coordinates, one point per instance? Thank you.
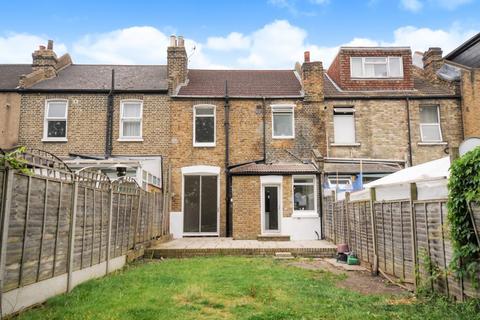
(109, 128)
(228, 187)
(146, 91)
(445, 96)
(237, 97)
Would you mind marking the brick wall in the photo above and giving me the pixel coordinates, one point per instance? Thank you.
(246, 139)
(339, 70)
(381, 129)
(470, 87)
(86, 124)
(246, 207)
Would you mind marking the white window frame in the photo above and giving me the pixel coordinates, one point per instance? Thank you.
(131, 138)
(205, 106)
(387, 60)
(280, 108)
(46, 118)
(346, 110)
(305, 213)
(438, 125)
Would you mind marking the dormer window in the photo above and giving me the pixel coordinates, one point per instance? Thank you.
(376, 67)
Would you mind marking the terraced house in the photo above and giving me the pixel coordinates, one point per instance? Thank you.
(247, 152)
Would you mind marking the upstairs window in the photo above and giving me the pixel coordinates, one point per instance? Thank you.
(283, 126)
(55, 124)
(376, 67)
(430, 124)
(304, 199)
(131, 120)
(204, 126)
(344, 125)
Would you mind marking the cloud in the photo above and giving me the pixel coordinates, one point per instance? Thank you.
(417, 5)
(18, 47)
(133, 45)
(234, 41)
(412, 5)
(276, 45)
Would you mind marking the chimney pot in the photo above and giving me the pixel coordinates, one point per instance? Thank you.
(173, 41)
(181, 41)
(306, 56)
(41, 47)
(50, 45)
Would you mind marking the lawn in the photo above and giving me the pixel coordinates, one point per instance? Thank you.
(234, 288)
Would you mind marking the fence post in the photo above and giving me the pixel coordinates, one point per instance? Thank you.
(71, 239)
(347, 216)
(373, 198)
(109, 233)
(5, 217)
(413, 197)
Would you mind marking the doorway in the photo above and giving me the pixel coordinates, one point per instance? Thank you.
(271, 209)
(200, 205)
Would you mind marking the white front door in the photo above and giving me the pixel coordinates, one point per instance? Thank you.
(271, 200)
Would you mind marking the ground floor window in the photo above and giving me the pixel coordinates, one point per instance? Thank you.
(304, 199)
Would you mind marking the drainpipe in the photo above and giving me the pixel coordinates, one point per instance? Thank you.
(407, 105)
(228, 191)
(109, 133)
(264, 105)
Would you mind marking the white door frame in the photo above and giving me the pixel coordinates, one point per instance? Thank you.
(202, 171)
(271, 181)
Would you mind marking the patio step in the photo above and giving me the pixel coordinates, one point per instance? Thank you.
(275, 237)
(283, 255)
(193, 247)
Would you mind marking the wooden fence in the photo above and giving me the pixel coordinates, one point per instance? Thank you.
(55, 222)
(404, 238)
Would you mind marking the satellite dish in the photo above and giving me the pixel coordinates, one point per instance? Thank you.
(468, 145)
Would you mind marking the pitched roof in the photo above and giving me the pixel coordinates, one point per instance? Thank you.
(468, 53)
(422, 88)
(351, 168)
(99, 77)
(260, 168)
(242, 83)
(10, 75)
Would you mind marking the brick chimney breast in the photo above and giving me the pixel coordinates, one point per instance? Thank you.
(45, 59)
(177, 63)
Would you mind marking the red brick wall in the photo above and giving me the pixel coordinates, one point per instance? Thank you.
(339, 71)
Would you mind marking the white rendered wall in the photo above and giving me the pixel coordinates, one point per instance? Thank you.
(301, 228)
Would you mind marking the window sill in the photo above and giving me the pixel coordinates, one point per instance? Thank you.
(376, 78)
(204, 145)
(54, 140)
(440, 143)
(130, 140)
(283, 138)
(305, 214)
(345, 144)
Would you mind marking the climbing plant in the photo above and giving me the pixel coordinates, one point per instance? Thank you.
(464, 187)
(15, 160)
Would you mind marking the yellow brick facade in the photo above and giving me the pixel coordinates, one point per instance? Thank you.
(381, 129)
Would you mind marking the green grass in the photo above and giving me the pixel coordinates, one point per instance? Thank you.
(233, 288)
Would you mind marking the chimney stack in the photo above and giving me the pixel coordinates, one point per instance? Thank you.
(177, 63)
(432, 62)
(306, 56)
(45, 59)
(312, 79)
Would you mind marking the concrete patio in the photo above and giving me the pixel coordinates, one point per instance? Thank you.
(190, 247)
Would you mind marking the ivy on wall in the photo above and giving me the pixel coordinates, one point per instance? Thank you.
(464, 187)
